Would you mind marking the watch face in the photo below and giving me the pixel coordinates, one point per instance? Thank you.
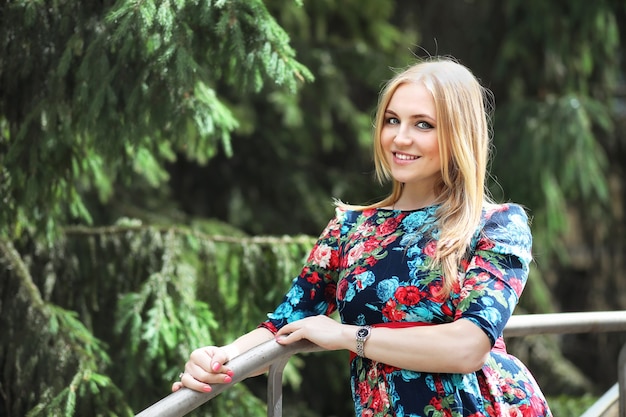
(362, 332)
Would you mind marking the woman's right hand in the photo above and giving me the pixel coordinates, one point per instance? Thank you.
(204, 368)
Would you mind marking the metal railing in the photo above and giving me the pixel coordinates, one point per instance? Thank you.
(276, 357)
(244, 366)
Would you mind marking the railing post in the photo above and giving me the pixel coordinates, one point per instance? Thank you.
(275, 388)
(621, 378)
(248, 363)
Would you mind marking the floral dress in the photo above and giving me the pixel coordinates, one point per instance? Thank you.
(373, 267)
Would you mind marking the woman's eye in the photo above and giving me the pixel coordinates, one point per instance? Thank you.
(424, 125)
(392, 121)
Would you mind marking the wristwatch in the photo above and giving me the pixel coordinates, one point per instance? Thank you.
(361, 336)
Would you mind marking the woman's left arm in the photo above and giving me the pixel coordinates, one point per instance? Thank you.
(457, 347)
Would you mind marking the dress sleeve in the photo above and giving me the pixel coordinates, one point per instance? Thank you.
(497, 270)
(313, 290)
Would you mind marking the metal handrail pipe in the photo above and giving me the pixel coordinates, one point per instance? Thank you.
(185, 400)
(604, 403)
(563, 323)
(621, 380)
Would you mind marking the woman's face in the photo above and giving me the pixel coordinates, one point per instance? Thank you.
(409, 138)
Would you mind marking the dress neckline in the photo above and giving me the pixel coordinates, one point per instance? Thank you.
(425, 208)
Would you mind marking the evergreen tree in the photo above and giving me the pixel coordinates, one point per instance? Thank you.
(97, 94)
(98, 97)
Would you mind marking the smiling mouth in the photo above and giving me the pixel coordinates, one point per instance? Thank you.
(405, 157)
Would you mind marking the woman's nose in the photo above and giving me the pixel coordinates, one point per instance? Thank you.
(402, 136)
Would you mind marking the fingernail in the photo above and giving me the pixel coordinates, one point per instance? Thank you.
(230, 373)
(207, 388)
(216, 366)
(227, 379)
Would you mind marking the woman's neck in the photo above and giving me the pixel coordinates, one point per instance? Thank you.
(412, 200)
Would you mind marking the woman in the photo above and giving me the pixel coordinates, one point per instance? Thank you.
(424, 280)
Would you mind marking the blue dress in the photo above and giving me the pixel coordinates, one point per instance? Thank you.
(373, 267)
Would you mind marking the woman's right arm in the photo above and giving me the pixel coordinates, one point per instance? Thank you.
(208, 365)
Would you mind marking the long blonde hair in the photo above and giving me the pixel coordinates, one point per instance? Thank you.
(463, 109)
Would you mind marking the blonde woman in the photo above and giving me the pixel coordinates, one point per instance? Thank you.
(425, 280)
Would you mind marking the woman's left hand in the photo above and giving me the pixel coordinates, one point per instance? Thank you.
(321, 330)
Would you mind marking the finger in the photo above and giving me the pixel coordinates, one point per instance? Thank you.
(220, 357)
(202, 358)
(218, 375)
(176, 386)
(287, 330)
(285, 339)
(189, 381)
(209, 359)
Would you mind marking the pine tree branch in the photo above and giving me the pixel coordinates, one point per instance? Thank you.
(244, 240)
(17, 264)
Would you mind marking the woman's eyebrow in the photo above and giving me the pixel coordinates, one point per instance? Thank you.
(413, 116)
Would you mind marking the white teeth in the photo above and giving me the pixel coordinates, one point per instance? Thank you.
(405, 157)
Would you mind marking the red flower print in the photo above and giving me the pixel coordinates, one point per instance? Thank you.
(392, 313)
(436, 402)
(364, 391)
(484, 244)
(369, 213)
(507, 388)
(358, 270)
(409, 295)
(389, 226)
(519, 393)
(321, 255)
(527, 411)
(496, 209)
(537, 405)
(434, 292)
(333, 229)
(371, 261)
(470, 282)
(377, 403)
(388, 240)
(371, 244)
(488, 266)
(334, 259)
(517, 285)
(342, 287)
(355, 253)
(430, 249)
(314, 278)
